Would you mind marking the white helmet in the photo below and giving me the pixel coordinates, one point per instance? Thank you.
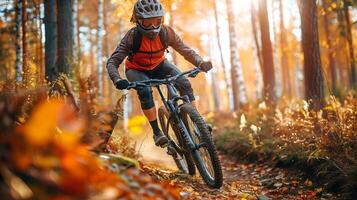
(145, 9)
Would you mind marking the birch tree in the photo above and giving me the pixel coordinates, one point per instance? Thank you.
(238, 87)
(223, 65)
(76, 39)
(253, 18)
(277, 68)
(170, 6)
(214, 82)
(41, 74)
(26, 71)
(18, 64)
(100, 48)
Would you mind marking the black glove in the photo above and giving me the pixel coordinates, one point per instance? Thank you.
(121, 84)
(206, 66)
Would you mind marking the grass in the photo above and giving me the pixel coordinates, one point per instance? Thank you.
(322, 143)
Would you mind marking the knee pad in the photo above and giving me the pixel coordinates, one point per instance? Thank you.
(146, 98)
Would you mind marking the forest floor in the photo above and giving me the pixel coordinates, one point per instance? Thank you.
(243, 181)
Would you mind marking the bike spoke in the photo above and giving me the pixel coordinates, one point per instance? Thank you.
(202, 149)
(207, 159)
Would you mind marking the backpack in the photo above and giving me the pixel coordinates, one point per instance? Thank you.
(137, 38)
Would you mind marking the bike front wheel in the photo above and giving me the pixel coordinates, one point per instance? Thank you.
(184, 162)
(205, 156)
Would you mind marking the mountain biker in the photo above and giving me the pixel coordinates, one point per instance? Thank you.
(144, 47)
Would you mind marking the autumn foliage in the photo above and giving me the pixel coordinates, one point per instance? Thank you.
(321, 143)
(45, 155)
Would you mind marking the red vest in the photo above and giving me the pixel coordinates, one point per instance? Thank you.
(147, 61)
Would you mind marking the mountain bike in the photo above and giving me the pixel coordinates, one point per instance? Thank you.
(190, 141)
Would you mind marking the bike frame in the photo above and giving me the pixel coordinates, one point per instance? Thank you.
(171, 104)
(186, 143)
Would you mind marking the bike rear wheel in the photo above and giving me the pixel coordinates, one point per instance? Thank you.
(184, 162)
(205, 157)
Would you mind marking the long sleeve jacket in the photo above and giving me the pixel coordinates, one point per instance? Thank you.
(124, 49)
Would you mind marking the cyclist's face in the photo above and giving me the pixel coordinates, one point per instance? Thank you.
(151, 22)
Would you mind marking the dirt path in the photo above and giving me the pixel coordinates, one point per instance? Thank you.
(243, 181)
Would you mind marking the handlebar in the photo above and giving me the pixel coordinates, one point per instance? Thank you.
(155, 82)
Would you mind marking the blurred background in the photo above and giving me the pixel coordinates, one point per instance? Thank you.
(282, 90)
(235, 35)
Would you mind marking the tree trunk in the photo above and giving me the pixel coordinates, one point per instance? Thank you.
(108, 87)
(92, 59)
(255, 34)
(353, 79)
(214, 86)
(314, 87)
(100, 48)
(343, 64)
(258, 76)
(257, 52)
(106, 48)
(239, 93)
(41, 75)
(65, 36)
(79, 51)
(287, 90)
(77, 48)
(18, 64)
(267, 54)
(50, 40)
(171, 24)
(224, 69)
(331, 59)
(277, 69)
(26, 71)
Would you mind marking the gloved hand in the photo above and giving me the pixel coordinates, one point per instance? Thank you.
(206, 66)
(122, 84)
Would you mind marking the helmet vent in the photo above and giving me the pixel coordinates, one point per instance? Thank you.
(147, 8)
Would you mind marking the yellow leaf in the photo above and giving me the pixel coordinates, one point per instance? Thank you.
(136, 124)
(334, 5)
(45, 162)
(42, 124)
(328, 108)
(67, 141)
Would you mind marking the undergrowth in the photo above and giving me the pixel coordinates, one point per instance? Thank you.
(322, 143)
(52, 144)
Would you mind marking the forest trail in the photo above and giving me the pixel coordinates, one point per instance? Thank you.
(241, 181)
